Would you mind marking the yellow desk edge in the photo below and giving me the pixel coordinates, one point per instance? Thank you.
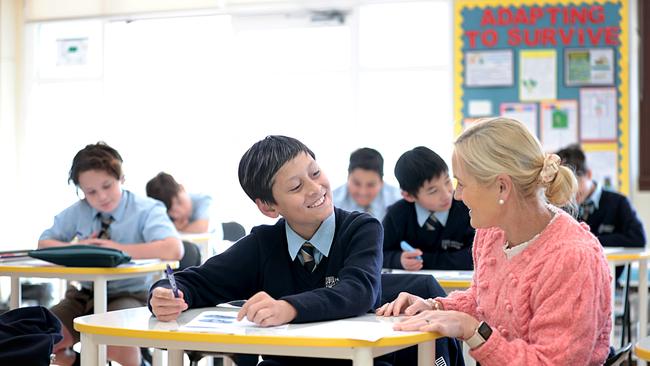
(88, 270)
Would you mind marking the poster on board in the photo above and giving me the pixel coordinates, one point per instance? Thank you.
(594, 66)
(559, 124)
(598, 113)
(489, 68)
(537, 75)
(525, 113)
(604, 167)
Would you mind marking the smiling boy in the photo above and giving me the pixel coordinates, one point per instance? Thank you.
(428, 218)
(316, 263)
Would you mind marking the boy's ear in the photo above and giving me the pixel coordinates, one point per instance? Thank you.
(408, 197)
(122, 179)
(266, 209)
(589, 174)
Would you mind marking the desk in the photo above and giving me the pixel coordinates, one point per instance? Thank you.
(449, 280)
(642, 349)
(618, 256)
(136, 327)
(210, 244)
(98, 275)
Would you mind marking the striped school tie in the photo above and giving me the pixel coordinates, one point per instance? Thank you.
(105, 231)
(431, 222)
(307, 252)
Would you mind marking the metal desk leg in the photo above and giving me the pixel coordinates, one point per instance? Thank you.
(99, 297)
(175, 357)
(89, 351)
(426, 353)
(362, 357)
(643, 302)
(16, 294)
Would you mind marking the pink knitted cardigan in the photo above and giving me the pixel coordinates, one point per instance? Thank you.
(548, 305)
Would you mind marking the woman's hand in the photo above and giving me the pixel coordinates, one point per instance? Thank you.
(454, 324)
(409, 304)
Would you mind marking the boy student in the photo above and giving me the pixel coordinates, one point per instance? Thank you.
(108, 216)
(190, 212)
(609, 214)
(365, 190)
(428, 218)
(316, 263)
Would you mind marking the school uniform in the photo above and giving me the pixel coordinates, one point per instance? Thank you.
(345, 282)
(137, 219)
(446, 243)
(200, 206)
(386, 197)
(612, 219)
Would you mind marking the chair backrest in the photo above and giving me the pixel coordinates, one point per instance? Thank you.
(619, 356)
(233, 231)
(192, 256)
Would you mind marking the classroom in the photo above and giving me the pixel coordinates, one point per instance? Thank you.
(188, 88)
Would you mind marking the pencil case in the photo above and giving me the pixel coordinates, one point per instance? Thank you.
(81, 256)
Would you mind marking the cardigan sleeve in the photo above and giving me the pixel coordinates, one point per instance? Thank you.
(567, 316)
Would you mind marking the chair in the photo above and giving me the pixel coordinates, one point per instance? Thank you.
(619, 356)
(233, 231)
(424, 286)
(192, 256)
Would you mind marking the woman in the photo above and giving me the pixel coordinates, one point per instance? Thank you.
(540, 293)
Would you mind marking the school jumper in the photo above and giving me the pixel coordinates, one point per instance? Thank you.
(446, 247)
(550, 304)
(614, 221)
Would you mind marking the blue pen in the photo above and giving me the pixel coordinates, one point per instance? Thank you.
(172, 280)
(408, 248)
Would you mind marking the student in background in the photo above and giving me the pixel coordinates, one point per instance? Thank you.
(610, 215)
(316, 263)
(112, 217)
(190, 212)
(541, 293)
(365, 190)
(428, 218)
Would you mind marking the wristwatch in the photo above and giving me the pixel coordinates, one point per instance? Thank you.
(480, 336)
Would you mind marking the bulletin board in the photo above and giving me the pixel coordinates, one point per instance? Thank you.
(560, 67)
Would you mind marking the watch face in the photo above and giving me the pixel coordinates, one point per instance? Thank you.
(484, 330)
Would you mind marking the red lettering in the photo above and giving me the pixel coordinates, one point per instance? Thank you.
(581, 36)
(514, 36)
(490, 38)
(528, 39)
(579, 14)
(488, 18)
(566, 35)
(594, 38)
(535, 14)
(471, 35)
(612, 35)
(553, 13)
(505, 16)
(597, 14)
(548, 36)
(521, 17)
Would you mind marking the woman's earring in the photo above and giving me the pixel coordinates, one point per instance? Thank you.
(501, 201)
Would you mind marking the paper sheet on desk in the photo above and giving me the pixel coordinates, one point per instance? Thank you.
(226, 322)
(350, 329)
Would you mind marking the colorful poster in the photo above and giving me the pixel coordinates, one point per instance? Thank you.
(537, 75)
(525, 113)
(598, 114)
(594, 66)
(604, 167)
(488, 68)
(559, 124)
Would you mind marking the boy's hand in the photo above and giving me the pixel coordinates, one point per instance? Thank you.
(165, 306)
(409, 260)
(266, 311)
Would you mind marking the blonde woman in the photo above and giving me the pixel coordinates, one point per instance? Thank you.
(540, 293)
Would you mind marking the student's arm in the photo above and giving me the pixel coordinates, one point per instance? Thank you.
(393, 235)
(170, 248)
(628, 230)
(198, 226)
(359, 280)
(48, 243)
